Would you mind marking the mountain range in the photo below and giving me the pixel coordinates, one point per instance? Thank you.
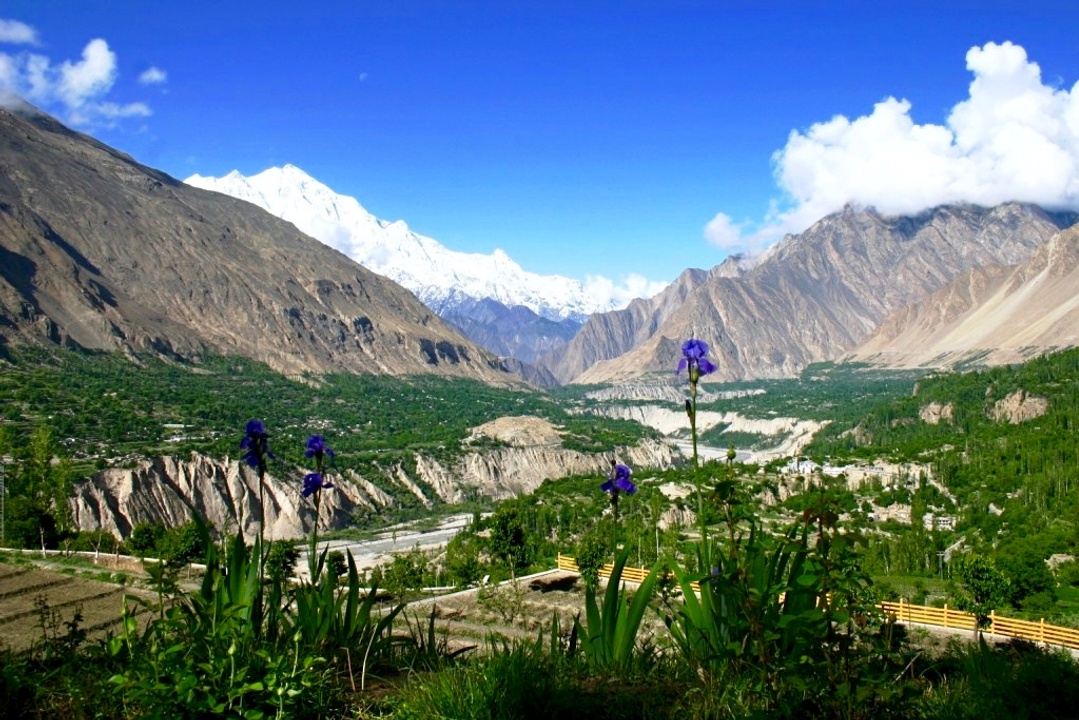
(489, 297)
(100, 252)
(815, 296)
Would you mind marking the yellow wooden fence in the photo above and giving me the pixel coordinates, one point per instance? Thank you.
(905, 612)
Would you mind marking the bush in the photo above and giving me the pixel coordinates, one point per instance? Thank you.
(281, 560)
(1068, 573)
(145, 539)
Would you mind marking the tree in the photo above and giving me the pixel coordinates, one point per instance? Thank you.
(406, 572)
(336, 564)
(595, 548)
(146, 538)
(985, 588)
(43, 484)
(462, 559)
(28, 525)
(185, 544)
(509, 538)
(1028, 576)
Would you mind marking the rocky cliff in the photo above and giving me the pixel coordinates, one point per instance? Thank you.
(510, 471)
(98, 251)
(173, 490)
(813, 297)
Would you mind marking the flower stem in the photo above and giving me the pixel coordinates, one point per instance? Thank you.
(312, 552)
(693, 420)
(262, 522)
(696, 459)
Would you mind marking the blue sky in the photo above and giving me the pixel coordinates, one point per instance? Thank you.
(584, 138)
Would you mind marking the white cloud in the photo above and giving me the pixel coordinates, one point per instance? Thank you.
(17, 33)
(77, 89)
(153, 75)
(724, 233)
(1012, 138)
(604, 291)
(92, 76)
(114, 111)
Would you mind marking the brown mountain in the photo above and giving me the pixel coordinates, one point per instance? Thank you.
(98, 251)
(821, 293)
(993, 315)
(607, 335)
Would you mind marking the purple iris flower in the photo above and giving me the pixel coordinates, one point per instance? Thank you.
(620, 481)
(316, 447)
(313, 482)
(257, 444)
(694, 358)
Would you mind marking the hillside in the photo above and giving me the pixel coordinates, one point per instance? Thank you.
(1001, 441)
(100, 252)
(992, 315)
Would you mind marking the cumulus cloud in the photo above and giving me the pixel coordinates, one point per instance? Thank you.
(76, 89)
(17, 33)
(604, 291)
(90, 77)
(1012, 138)
(153, 75)
(724, 233)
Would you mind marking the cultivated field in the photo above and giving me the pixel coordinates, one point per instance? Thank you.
(34, 601)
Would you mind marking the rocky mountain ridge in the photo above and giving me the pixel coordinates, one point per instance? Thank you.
(437, 275)
(608, 335)
(489, 297)
(100, 252)
(514, 332)
(813, 297)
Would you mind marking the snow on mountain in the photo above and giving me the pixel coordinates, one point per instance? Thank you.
(437, 275)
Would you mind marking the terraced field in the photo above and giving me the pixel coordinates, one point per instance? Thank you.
(31, 597)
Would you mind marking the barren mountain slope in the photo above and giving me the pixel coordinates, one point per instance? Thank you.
(608, 335)
(995, 314)
(101, 252)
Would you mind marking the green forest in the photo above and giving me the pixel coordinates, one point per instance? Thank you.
(1015, 477)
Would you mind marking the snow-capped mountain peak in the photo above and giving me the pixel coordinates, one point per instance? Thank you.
(436, 274)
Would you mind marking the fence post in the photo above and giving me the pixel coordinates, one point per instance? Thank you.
(1041, 631)
(946, 615)
(992, 622)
